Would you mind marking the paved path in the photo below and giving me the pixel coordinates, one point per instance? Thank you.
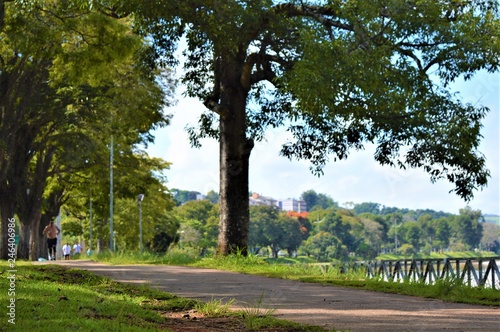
(328, 306)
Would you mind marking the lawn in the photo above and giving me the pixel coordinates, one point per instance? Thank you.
(50, 298)
(302, 269)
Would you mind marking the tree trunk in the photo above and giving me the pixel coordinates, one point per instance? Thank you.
(235, 150)
(42, 243)
(36, 237)
(100, 245)
(275, 251)
(23, 249)
(29, 217)
(28, 210)
(6, 213)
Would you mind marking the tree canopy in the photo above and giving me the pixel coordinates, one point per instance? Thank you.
(338, 73)
(334, 233)
(70, 77)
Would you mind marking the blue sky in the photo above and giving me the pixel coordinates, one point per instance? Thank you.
(357, 179)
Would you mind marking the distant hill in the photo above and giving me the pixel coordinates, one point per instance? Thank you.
(492, 218)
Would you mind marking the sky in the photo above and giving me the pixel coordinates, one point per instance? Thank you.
(357, 179)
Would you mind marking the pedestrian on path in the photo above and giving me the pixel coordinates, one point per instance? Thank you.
(77, 249)
(66, 251)
(52, 232)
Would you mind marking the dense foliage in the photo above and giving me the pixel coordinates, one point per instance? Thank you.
(76, 75)
(338, 74)
(73, 78)
(336, 233)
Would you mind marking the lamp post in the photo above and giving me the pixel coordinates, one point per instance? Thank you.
(111, 234)
(395, 236)
(140, 198)
(90, 217)
(396, 226)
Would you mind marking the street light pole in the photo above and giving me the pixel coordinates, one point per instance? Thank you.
(395, 235)
(90, 229)
(111, 234)
(140, 198)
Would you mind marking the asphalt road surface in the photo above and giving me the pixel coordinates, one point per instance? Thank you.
(328, 306)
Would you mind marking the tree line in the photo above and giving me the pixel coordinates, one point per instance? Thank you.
(80, 77)
(76, 82)
(338, 75)
(329, 232)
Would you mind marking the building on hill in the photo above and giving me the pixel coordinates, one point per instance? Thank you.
(257, 199)
(290, 204)
(293, 204)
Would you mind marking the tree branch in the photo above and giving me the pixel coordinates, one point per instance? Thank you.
(413, 56)
(112, 12)
(212, 102)
(215, 107)
(318, 13)
(2, 12)
(264, 72)
(263, 75)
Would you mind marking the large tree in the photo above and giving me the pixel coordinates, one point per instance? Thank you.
(198, 220)
(339, 73)
(468, 227)
(278, 231)
(66, 74)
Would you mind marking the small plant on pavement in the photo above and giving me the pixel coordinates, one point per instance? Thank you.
(215, 307)
(253, 313)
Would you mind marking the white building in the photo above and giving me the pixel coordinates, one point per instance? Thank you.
(293, 204)
(257, 199)
(290, 204)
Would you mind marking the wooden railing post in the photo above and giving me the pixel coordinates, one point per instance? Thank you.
(431, 270)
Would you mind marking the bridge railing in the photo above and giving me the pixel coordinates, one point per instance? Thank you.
(474, 272)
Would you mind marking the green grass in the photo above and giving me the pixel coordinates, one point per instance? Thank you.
(52, 298)
(452, 291)
(302, 269)
(446, 290)
(256, 313)
(273, 324)
(215, 307)
(461, 254)
(173, 257)
(290, 260)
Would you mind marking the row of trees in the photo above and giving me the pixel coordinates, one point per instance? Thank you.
(76, 82)
(340, 74)
(338, 233)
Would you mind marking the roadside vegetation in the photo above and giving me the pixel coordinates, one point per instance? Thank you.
(306, 270)
(53, 298)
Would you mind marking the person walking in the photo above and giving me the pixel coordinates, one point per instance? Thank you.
(52, 231)
(77, 249)
(66, 251)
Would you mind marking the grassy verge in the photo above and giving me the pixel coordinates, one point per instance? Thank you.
(53, 298)
(303, 270)
(173, 257)
(446, 290)
(435, 255)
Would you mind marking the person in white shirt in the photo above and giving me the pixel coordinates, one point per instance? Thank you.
(66, 251)
(77, 249)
